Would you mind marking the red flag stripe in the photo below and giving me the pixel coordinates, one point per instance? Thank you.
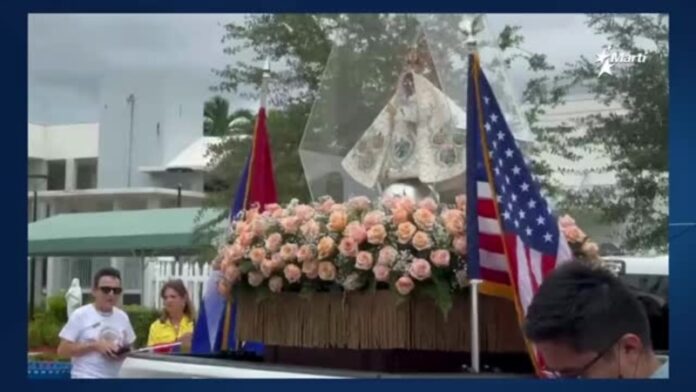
(491, 243)
(486, 208)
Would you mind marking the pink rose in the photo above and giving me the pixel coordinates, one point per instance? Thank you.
(360, 203)
(278, 262)
(373, 218)
(273, 242)
(440, 258)
(326, 247)
(421, 241)
(306, 253)
(348, 247)
(325, 206)
(337, 221)
(310, 230)
(278, 214)
(267, 268)
(234, 253)
(272, 207)
(573, 234)
(376, 235)
(428, 204)
(338, 208)
(276, 284)
(224, 288)
(259, 226)
(425, 220)
(355, 231)
(381, 272)
(399, 216)
(290, 224)
(404, 285)
(459, 244)
(387, 256)
(405, 203)
(288, 252)
(454, 221)
(389, 201)
(232, 273)
(255, 278)
(292, 273)
(460, 201)
(245, 239)
(311, 269)
(327, 271)
(257, 255)
(304, 212)
(405, 232)
(241, 227)
(420, 269)
(566, 221)
(364, 261)
(251, 214)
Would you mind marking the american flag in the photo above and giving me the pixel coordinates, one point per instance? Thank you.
(513, 238)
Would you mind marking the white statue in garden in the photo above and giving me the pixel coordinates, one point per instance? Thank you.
(73, 297)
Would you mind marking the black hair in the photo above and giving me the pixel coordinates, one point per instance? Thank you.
(585, 307)
(108, 271)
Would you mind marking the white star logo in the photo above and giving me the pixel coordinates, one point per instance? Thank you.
(522, 214)
(540, 221)
(514, 197)
(603, 59)
(528, 231)
(494, 118)
(508, 153)
(488, 127)
(532, 204)
(525, 187)
(506, 215)
(501, 135)
(516, 170)
(547, 237)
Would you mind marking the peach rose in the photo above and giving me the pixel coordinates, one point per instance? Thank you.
(566, 221)
(288, 252)
(591, 250)
(406, 203)
(272, 207)
(306, 253)
(273, 242)
(454, 221)
(326, 247)
(292, 273)
(232, 273)
(399, 216)
(420, 269)
(234, 253)
(425, 220)
(327, 271)
(373, 218)
(278, 214)
(310, 230)
(224, 288)
(460, 201)
(267, 268)
(360, 203)
(428, 204)
(278, 262)
(355, 231)
(389, 201)
(364, 261)
(574, 234)
(387, 256)
(311, 269)
(245, 239)
(376, 235)
(255, 278)
(257, 255)
(348, 247)
(241, 227)
(337, 221)
(275, 284)
(259, 226)
(338, 208)
(381, 272)
(251, 214)
(404, 285)
(440, 258)
(405, 232)
(421, 241)
(459, 244)
(304, 212)
(290, 224)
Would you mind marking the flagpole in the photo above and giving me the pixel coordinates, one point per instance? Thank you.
(264, 82)
(475, 316)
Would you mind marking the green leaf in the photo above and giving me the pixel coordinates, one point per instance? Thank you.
(246, 266)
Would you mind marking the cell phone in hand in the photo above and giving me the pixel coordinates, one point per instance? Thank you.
(122, 350)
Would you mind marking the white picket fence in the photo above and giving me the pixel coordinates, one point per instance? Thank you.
(159, 270)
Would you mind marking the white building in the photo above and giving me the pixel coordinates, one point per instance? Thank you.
(147, 151)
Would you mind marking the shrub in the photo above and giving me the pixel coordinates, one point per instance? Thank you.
(57, 308)
(141, 318)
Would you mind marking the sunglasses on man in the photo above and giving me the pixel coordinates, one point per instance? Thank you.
(582, 371)
(107, 290)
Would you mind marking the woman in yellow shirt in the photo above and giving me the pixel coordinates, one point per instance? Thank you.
(176, 322)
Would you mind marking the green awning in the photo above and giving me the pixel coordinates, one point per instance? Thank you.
(114, 233)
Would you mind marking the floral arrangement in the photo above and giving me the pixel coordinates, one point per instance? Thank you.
(394, 243)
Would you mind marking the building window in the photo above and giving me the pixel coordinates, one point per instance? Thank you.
(86, 173)
(56, 175)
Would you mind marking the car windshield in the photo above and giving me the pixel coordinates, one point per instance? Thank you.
(657, 285)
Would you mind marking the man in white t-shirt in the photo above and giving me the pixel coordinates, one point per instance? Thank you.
(98, 335)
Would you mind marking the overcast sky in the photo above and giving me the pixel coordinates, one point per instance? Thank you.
(68, 54)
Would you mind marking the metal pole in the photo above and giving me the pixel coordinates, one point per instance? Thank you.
(32, 261)
(178, 196)
(475, 316)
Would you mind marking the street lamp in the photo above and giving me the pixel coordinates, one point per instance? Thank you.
(32, 261)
